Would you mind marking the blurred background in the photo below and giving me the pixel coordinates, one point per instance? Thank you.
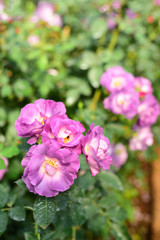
(58, 49)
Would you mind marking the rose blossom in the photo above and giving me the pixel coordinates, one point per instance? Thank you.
(148, 111)
(142, 138)
(143, 86)
(33, 116)
(3, 171)
(95, 146)
(125, 102)
(66, 131)
(118, 154)
(26, 159)
(116, 79)
(50, 170)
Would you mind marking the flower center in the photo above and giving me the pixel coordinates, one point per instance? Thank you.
(118, 151)
(41, 120)
(117, 82)
(67, 139)
(86, 148)
(50, 166)
(65, 134)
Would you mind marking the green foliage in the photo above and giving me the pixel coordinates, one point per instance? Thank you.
(10, 152)
(2, 164)
(44, 210)
(3, 196)
(17, 213)
(3, 221)
(111, 180)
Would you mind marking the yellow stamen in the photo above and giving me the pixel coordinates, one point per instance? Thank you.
(67, 139)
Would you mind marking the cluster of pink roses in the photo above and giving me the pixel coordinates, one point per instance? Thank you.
(132, 96)
(112, 9)
(52, 165)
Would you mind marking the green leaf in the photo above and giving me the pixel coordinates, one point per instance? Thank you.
(3, 221)
(83, 162)
(2, 164)
(14, 169)
(21, 184)
(91, 209)
(42, 62)
(22, 88)
(29, 236)
(108, 202)
(97, 223)
(72, 97)
(12, 197)
(3, 196)
(62, 201)
(85, 181)
(110, 179)
(44, 210)
(48, 236)
(120, 232)
(94, 75)
(77, 213)
(98, 28)
(17, 213)
(117, 214)
(10, 151)
(3, 117)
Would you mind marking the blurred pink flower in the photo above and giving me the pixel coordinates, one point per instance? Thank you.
(157, 2)
(111, 20)
(3, 171)
(104, 8)
(142, 138)
(52, 72)
(116, 5)
(45, 12)
(33, 40)
(130, 14)
(1, 6)
(4, 17)
(118, 154)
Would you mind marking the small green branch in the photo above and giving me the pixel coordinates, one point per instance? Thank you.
(29, 208)
(5, 209)
(95, 100)
(36, 232)
(73, 233)
(113, 40)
